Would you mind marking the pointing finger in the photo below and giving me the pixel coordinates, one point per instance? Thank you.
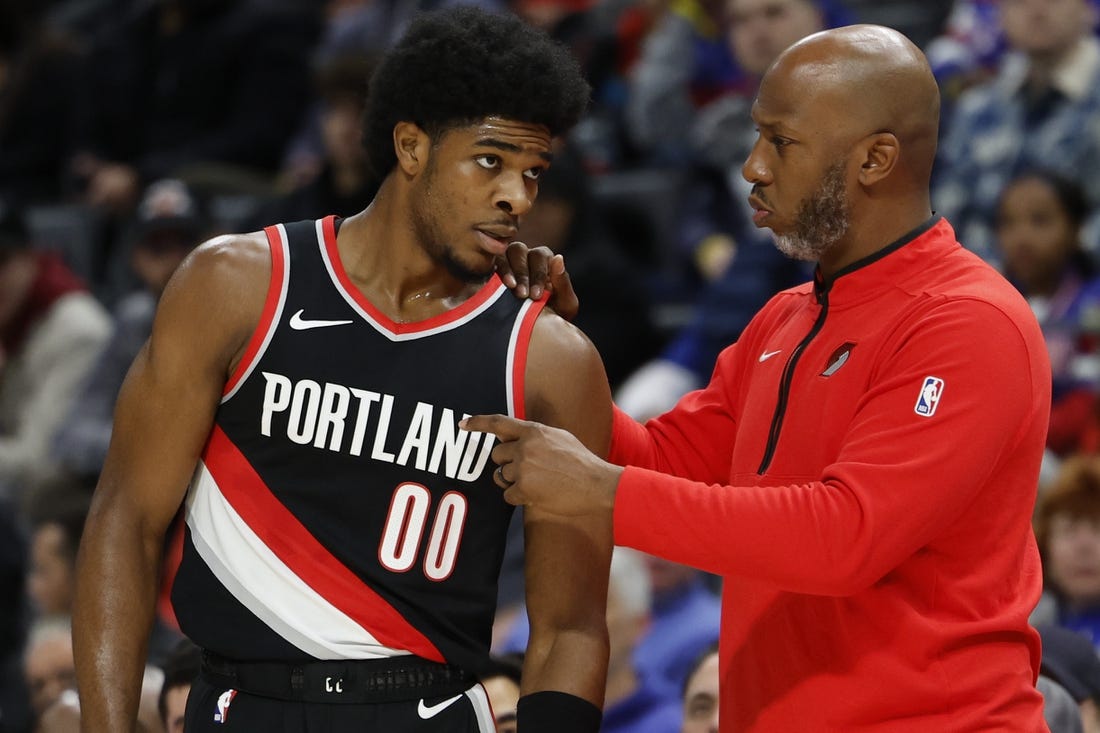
(502, 426)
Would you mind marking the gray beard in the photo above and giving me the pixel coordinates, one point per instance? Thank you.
(821, 221)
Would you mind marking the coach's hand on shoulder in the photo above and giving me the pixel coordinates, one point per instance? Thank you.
(529, 271)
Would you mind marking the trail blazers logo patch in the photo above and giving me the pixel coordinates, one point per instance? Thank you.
(838, 359)
(929, 398)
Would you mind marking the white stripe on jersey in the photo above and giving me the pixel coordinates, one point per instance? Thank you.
(484, 712)
(274, 318)
(450, 325)
(257, 578)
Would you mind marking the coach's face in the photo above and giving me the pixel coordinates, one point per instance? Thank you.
(799, 163)
(476, 184)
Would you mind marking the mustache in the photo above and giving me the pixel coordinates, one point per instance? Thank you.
(759, 193)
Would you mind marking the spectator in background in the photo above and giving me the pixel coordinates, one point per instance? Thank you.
(616, 316)
(208, 90)
(180, 670)
(967, 52)
(738, 263)
(722, 134)
(701, 694)
(1067, 529)
(51, 331)
(503, 687)
(1038, 226)
(684, 64)
(1040, 111)
(15, 713)
(57, 517)
(635, 702)
(169, 223)
(685, 620)
(37, 73)
(332, 177)
(1060, 710)
(48, 663)
(1070, 660)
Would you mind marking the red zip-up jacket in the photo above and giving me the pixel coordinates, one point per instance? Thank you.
(862, 470)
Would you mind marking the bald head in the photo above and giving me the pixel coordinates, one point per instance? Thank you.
(868, 79)
(848, 121)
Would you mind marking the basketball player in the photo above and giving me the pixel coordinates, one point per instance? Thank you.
(344, 536)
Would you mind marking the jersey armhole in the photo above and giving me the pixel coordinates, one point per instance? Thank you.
(269, 318)
(517, 356)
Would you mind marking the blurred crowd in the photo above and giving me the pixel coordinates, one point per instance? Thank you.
(132, 130)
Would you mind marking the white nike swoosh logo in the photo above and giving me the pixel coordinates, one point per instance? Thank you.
(769, 354)
(430, 711)
(301, 324)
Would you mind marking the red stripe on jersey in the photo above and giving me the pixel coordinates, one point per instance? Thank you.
(300, 551)
(271, 305)
(473, 303)
(519, 362)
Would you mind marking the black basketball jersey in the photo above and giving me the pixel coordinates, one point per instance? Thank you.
(338, 512)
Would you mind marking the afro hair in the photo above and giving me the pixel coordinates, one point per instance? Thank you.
(458, 66)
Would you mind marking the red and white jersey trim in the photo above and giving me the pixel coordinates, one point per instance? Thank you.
(272, 313)
(483, 710)
(517, 357)
(467, 311)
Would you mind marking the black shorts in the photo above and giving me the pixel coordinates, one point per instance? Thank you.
(214, 707)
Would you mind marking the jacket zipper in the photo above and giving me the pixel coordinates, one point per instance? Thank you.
(788, 377)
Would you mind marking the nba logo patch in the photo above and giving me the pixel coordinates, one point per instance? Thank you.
(929, 397)
(224, 699)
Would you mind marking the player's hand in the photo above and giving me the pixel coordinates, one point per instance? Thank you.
(547, 468)
(529, 271)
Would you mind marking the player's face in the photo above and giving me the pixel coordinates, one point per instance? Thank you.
(701, 699)
(478, 183)
(1035, 234)
(798, 170)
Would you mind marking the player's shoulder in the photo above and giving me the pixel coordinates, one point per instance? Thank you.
(236, 251)
(554, 332)
(233, 261)
(224, 280)
(561, 360)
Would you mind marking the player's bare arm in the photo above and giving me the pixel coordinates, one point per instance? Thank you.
(163, 415)
(567, 559)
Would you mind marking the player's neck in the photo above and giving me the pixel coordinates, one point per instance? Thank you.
(379, 252)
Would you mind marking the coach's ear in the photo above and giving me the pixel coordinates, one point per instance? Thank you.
(412, 146)
(879, 154)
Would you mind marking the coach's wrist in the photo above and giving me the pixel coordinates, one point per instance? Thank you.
(550, 711)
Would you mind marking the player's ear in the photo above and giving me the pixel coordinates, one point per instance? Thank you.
(412, 145)
(880, 153)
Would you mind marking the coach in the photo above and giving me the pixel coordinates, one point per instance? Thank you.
(862, 467)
